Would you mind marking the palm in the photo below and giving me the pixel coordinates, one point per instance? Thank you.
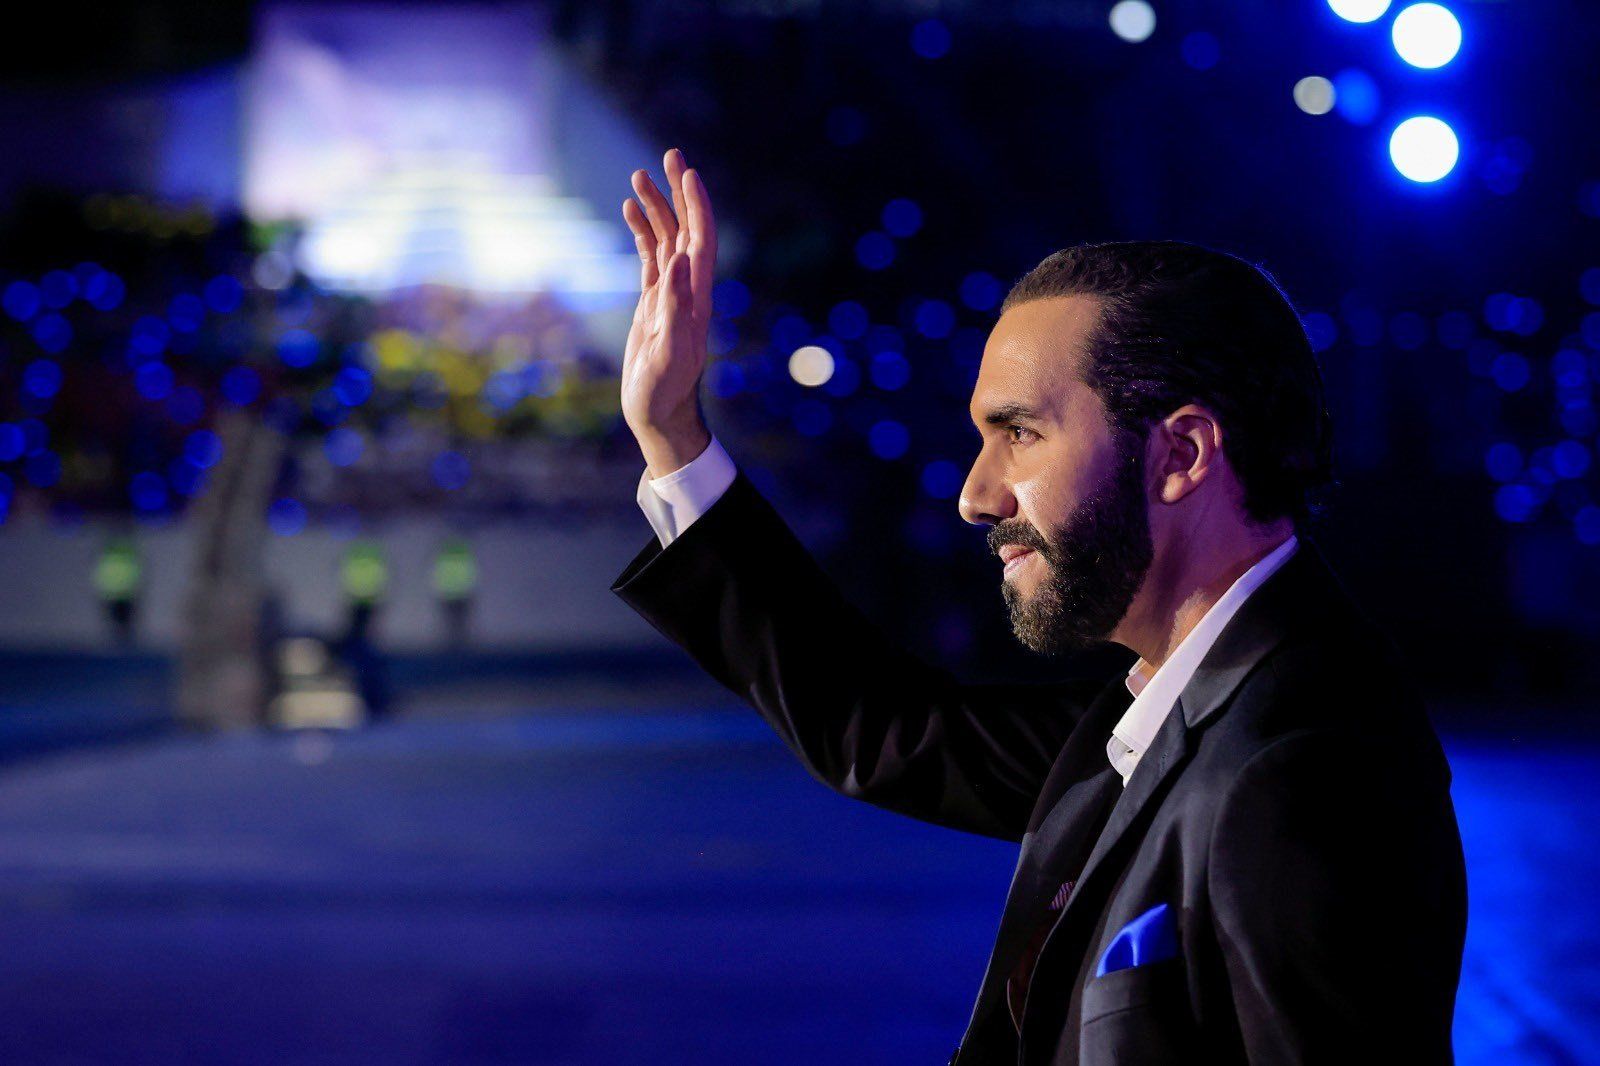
(666, 350)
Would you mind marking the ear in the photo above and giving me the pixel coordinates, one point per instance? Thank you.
(1186, 450)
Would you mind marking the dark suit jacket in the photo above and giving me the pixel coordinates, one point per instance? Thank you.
(1293, 811)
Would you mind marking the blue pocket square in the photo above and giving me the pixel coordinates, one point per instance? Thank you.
(1151, 937)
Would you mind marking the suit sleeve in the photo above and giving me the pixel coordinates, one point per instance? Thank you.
(1339, 891)
(740, 593)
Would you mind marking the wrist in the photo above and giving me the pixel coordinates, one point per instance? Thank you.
(667, 450)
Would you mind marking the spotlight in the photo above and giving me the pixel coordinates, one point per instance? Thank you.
(1427, 35)
(1424, 148)
(1359, 10)
(1133, 20)
(1314, 95)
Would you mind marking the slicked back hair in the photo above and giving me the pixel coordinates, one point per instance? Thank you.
(1180, 323)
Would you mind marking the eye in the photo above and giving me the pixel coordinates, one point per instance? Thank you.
(1019, 429)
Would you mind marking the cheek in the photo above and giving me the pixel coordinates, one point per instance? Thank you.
(1047, 496)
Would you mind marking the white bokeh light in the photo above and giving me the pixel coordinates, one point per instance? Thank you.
(1133, 20)
(1359, 10)
(811, 365)
(1424, 148)
(1426, 35)
(1314, 95)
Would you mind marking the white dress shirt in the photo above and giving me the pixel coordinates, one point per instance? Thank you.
(1155, 694)
(674, 501)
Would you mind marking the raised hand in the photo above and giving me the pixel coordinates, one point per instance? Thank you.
(666, 352)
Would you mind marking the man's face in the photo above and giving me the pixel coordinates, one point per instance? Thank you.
(1054, 478)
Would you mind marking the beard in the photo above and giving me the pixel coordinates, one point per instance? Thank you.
(1095, 562)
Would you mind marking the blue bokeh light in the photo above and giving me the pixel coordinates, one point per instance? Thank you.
(42, 378)
(902, 217)
(930, 39)
(848, 320)
(980, 291)
(241, 386)
(888, 439)
(942, 479)
(22, 300)
(889, 370)
(286, 516)
(153, 380)
(875, 250)
(451, 470)
(1355, 96)
(1424, 148)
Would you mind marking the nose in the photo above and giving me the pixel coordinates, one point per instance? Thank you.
(985, 499)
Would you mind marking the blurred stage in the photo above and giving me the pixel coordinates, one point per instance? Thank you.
(554, 863)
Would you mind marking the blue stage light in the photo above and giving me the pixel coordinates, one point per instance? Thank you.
(153, 380)
(902, 217)
(1355, 96)
(451, 470)
(353, 385)
(1586, 524)
(1503, 461)
(203, 448)
(148, 491)
(1359, 10)
(58, 288)
(1424, 149)
(343, 446)
(1515, 503)
(942, 479)
(52, 332)
(889, 370)
(930, 39)
(888, 439)
(848, 319)
(12, 443)
(1426, 35)
(241, 386)
(297, 348)
(875, 250)
(223, 294)
(186, 312)
(42, 378)
(980, 291)
(1510, 371)
(935, 319)
(286, 516)
(22, 300)
(1570, 459)
(104, 291)
(1133, 20)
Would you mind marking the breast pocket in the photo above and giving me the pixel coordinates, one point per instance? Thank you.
(1139, 1015)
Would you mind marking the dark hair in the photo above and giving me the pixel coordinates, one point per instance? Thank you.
(1180, 323)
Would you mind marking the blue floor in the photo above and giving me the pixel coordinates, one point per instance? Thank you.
(609, 887)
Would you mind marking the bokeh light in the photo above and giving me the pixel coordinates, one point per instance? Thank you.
(1426, 35)
(811, 365)
(1133, 20)
(1424, 149)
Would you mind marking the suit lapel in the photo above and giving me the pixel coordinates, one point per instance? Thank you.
(1261, 623)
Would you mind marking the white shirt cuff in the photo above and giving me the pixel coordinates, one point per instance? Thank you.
(672, 502)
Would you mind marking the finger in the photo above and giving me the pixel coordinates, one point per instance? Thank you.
(679, 306)
(674, 164)
(660, 214)
(702, 243)
(644, 239)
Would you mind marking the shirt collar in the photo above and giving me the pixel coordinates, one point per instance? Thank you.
(1155, 692)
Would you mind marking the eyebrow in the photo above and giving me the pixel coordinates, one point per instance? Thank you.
(1012, 412)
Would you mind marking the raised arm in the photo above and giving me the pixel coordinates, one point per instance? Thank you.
(740, 593)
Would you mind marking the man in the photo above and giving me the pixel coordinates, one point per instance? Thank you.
(1245, 849)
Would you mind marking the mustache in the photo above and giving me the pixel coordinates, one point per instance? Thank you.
(1023, 535)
